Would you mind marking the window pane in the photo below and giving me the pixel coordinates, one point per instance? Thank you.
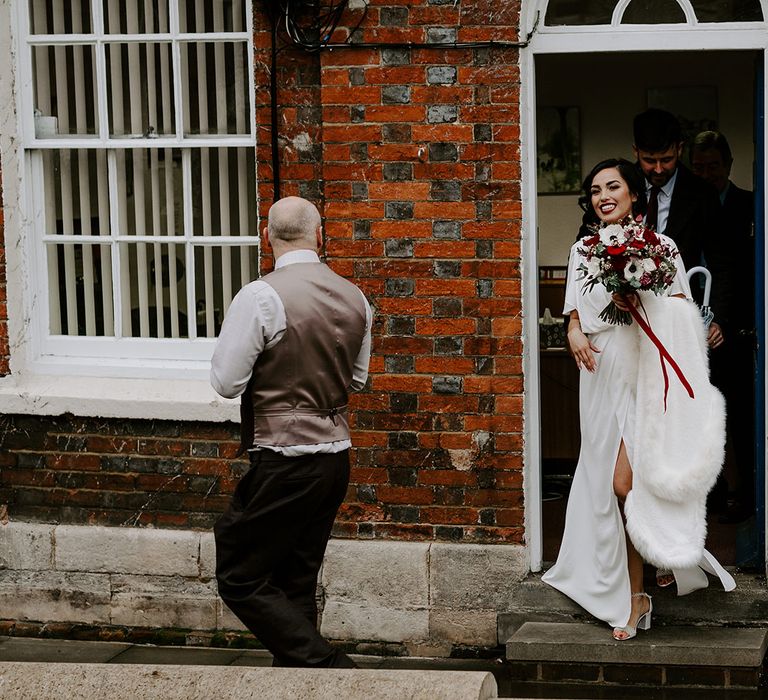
(224, 192)
(220, 272)
(64, 90)
(149, 184)
(653, 12)
(153, 290)
(75, 192)
(136, 17)
(71, 17)
(728, 10)
(80, 291)
(579, 12)
(215, 88)
(220, 16)
(140, 90)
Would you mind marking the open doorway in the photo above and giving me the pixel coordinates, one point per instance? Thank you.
(587, 101)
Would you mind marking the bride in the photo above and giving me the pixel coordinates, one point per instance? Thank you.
(640, 486)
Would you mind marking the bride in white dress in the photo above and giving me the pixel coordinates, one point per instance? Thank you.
(643, 469)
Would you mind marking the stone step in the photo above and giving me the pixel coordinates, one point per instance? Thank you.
(579, 643)
(51, 681)
(747, 606)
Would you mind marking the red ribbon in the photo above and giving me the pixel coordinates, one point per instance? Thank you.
(663, 353)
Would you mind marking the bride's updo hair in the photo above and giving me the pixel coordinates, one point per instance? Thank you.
(630, 173)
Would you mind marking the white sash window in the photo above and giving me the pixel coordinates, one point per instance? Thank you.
(138, 146)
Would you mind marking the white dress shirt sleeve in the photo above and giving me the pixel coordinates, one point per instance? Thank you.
(360, 367)
(255, 321)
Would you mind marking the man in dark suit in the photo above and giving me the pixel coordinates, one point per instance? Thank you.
(733, 365)
(683, 207)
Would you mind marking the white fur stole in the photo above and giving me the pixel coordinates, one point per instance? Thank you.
(678, 453)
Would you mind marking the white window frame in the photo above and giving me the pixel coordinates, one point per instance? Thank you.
(606, 38)
(126, 377)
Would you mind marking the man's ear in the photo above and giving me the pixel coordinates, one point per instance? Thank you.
(265, 238)
(319, 237)
(635, 151)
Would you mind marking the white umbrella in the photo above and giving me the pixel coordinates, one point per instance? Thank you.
(706, 311)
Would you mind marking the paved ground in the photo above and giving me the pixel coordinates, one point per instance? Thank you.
(69, 651)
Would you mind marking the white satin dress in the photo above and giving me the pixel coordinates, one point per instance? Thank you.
(591, 567)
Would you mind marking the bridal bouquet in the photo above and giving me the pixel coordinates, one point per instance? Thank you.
(626, 258)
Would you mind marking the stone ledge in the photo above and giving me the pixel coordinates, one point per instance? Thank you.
(44, 681)
(420, 593)
(116, 550)
(663, 646)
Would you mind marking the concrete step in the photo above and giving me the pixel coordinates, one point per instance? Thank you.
(670, 658)
(52, 681)
(663, 646)
(747, 606)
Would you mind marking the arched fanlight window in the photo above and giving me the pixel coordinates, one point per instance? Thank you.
(653, 12)
(596, 12)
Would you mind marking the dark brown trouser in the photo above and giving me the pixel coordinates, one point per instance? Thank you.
(270, 544)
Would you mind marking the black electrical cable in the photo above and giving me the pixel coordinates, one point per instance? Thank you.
(310, 24)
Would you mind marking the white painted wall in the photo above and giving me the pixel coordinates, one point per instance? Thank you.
(610, 89)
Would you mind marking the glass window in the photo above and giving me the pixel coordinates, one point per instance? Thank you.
(136, 17)
(152, 238)
(579, 12)
(139, 89)
(71, 17)
(219, 16)
(653, 12)
(728, 10)
(64, 100)
(215, 87)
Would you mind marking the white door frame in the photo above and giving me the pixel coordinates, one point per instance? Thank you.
(611, 38)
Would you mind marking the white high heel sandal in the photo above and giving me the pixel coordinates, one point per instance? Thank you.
(643, 622)
(664, 578)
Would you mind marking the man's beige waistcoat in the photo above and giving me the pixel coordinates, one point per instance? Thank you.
(297, 394)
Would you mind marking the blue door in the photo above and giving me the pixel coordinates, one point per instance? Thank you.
(758, 554)
(750, 535)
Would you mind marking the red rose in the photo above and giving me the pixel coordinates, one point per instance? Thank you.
(651, 237)
(616, 249)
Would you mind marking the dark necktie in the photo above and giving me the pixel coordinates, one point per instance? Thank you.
(652, 217)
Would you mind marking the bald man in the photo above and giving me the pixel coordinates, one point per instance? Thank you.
(292, 345)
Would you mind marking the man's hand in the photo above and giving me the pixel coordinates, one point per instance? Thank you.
(715, 335)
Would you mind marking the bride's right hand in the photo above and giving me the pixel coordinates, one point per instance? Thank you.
(582, 349)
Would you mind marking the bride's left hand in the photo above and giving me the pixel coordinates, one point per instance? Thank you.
(622, 301)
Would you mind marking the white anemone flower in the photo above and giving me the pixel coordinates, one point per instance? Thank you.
(633, 270)
(594, 268)
(612, 235)
(648, 265)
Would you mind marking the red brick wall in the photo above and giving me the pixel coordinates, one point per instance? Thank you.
(413, 157)
(421, 169)
(117, 472)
